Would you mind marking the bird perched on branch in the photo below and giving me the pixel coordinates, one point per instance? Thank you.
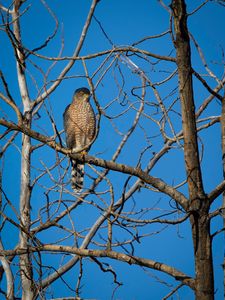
(80, 128)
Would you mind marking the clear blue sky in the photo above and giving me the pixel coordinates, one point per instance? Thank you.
(125, 22)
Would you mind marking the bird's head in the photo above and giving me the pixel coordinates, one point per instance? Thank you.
(82, 94)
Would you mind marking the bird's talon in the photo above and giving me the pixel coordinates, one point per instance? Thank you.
(83, 153)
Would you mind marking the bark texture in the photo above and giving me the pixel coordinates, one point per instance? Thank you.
(25, 190)
(199, 204)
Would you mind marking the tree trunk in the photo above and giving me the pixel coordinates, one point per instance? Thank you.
(204, 280)
(25, 261)
(183, 52)
(199, 204)
(25, 190)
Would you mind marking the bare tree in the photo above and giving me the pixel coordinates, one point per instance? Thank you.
(147, 175)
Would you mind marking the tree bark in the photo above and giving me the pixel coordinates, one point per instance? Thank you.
(204, 281)
(25, 191)
(199, 204)
(183, 51)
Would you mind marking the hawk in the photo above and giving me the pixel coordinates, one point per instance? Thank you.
(80, 128)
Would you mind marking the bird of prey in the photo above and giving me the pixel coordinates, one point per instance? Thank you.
(80, 128)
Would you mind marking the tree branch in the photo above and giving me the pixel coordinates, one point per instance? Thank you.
(105, 52)
(157, 183)
(217, 191)
(130, 259)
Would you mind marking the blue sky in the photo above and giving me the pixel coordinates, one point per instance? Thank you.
(125, 22)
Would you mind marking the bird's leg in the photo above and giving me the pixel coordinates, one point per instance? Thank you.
(83, 153)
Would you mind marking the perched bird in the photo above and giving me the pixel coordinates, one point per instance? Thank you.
(80, 128)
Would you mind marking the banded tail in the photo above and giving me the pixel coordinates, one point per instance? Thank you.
(77, 176)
